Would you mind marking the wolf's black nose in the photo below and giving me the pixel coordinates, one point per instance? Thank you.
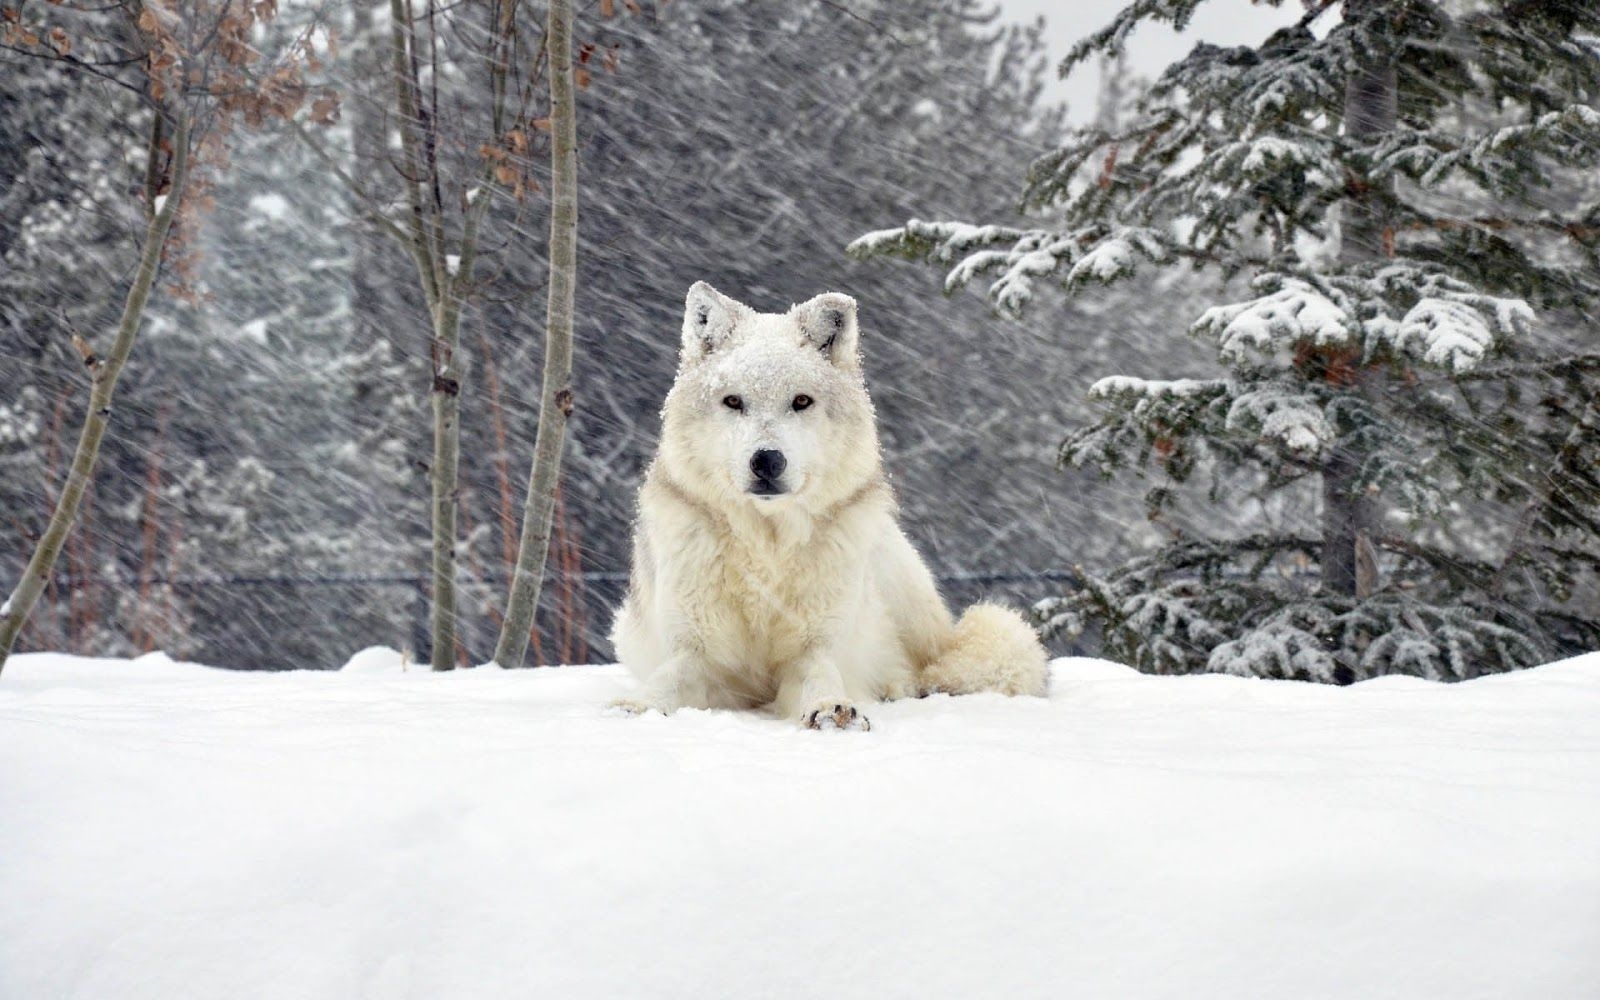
(767, 464)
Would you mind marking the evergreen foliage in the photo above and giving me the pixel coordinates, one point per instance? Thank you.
(1401, 192)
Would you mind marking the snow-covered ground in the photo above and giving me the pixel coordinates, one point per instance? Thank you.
(171, 831)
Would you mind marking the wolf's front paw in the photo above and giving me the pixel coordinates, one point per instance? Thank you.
(836, 715)
(634, 706)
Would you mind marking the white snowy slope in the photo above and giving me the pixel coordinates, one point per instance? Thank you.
(171, 831)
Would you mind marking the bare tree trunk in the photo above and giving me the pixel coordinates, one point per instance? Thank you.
(421, 241)
(446, 279)
(144, 628)
(454, 286)
(555, 399)
(1347, 513)
(425, 239)
(445, 476)
(103, 376)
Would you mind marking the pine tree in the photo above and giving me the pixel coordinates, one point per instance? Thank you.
(1420, 450)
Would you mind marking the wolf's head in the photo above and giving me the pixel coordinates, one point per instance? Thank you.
(769, 408)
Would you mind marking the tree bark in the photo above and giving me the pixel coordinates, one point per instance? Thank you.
(1348, 514)
(103, 376)
(445, 476)
(442, 291)
(555, 398)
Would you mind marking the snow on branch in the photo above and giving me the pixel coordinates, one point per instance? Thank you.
(1088, 254)
(1116, 256)
(1131, 388)
(1037, 255)
(1573, 128)
(1454, 335)
(1280, 414)
(1274, 650)
(1293, 314)
(1386, 634)
(1256, 159)
(1144, 413)
(1272, 412)
(936, 241)
(1449, 324)
(1496, 159)
(1111, 39)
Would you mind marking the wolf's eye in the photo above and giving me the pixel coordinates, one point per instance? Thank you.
(733, 402)
(802, 402)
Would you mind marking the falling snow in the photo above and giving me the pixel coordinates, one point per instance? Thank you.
(1239, 373)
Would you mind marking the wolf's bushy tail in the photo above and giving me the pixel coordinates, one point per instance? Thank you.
(992, 649)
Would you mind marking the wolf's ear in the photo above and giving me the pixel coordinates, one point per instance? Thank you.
(829, 324)
(708, 320)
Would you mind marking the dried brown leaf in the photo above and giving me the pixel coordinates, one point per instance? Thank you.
(325, 109)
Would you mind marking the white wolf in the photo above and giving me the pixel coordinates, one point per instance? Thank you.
(768, 564)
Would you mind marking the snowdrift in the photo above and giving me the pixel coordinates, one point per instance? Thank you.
(169, 830)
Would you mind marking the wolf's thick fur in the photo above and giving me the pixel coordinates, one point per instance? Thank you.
(768, 564)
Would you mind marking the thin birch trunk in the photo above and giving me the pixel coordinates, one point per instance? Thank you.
(454, 286)
(445, 286)
(555, 398)
(103, 383)
(446, 280)
(144, 632)
(422, 231)
(60, 609)
(445, 475)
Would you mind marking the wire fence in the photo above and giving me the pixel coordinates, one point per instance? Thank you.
(68, 580)
(575, 607)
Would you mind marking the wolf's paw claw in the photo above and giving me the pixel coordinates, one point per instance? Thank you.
(631, 706)
(838, 715)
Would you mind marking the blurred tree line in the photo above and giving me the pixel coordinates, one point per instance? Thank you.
(263, 499)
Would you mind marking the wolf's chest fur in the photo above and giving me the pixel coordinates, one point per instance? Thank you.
(765, 602)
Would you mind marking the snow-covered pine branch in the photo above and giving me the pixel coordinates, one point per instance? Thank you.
(1073, 259)
(1293, 312)
(1387, 183)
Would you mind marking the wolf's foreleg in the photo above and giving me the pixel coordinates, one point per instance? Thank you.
(812, 693)
(679, 682)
